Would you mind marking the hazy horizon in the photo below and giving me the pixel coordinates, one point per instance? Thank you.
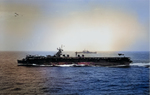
(94, 25)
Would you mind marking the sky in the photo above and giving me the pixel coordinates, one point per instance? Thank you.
(95, 25)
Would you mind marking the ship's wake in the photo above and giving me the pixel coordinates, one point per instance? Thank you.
(85, 65)
(141, 64)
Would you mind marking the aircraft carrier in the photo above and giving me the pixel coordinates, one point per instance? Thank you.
(80, 60)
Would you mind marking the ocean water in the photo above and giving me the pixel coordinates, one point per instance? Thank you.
(22, 80)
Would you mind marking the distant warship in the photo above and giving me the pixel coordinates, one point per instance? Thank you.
(86, 51)
(60, 59)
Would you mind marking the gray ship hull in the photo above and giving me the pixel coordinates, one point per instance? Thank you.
(89, 61)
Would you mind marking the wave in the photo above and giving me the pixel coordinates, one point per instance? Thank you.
(141, 64)
(83, 65)
(64, 65)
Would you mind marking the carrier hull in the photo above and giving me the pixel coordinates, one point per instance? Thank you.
(88, 61)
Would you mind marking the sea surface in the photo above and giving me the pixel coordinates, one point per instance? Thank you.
(22, 80)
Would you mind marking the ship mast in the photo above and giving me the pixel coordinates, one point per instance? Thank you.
(59, 53)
